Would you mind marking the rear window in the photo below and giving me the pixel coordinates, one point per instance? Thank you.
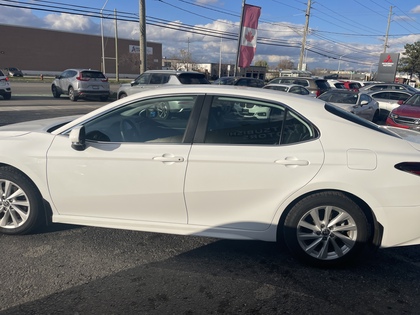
(1, 74)
(92, 74)
(193, 78)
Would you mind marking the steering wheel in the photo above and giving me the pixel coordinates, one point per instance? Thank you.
(128, 130)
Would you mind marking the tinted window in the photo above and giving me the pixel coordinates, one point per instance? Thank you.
(143, 121)
(92, 74)
(1, 73)
(322, 84)
(301, 82)
(277, 88)
(384, 95)
(245, 121)
(193, 78)
(399, 96)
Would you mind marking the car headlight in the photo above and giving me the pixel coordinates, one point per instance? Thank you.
(393, 115)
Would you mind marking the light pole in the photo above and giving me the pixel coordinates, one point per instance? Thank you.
(102, 36)
(339, 63)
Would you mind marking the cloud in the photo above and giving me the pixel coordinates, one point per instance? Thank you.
(70, 23)
(415, 10)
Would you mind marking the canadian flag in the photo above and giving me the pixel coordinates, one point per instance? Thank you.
(249, 28)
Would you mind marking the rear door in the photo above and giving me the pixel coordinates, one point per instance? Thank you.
(247, 159)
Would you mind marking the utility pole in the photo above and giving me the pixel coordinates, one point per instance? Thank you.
(143, 43)
(305, 31)
(387, 29)
(117, 76)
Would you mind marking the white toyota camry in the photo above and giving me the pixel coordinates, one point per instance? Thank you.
(322, 180)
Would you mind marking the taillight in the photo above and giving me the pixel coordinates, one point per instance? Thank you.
(318, 92)
(82, 78)
(6, 78)
(104, 80)
(409, 167)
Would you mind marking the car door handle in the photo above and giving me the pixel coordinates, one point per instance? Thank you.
(292, 161)
(168, 158)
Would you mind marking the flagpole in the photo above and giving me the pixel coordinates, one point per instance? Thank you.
(239, 39)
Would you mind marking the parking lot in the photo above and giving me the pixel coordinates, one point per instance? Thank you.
(67, 269)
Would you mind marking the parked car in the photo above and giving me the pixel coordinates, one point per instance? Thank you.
(335, 84)
(358, 103)
(289, 88)
(81, 83)
(407, 115)
(315, 85)
(156, 78)
(310, 174)
(5, 89)
(388, 86)
(241, 81)
(389, 99)
(13, 72)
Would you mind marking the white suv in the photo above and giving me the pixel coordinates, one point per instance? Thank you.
(5, 89)
(155, 78)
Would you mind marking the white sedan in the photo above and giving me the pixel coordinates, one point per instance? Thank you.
(306, 173)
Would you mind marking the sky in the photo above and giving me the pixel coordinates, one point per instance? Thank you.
(349, 35)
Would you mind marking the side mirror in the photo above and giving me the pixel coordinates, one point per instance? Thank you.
(133, 83)
(78, 137)
(364, 103)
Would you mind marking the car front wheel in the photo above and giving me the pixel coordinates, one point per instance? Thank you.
(21, 207)
(55, 92)
(326, 229)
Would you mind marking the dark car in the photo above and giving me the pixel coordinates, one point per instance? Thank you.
(241, 81)
(315, 85)
(407, 115)
(13, 72)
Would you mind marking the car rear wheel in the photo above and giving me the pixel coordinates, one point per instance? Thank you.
(72, 95)
(122, 95)
(21, 206)
(326, 229)
(55, 92)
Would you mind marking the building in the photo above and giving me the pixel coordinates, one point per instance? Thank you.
(37, 51)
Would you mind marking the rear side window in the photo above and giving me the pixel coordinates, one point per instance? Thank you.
(193, 78)
(1, 74)
(250, 122)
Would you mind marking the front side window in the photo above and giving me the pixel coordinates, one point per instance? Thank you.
(245, 121)
(143, 79)
(162, 120)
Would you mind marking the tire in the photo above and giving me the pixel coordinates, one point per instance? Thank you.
(163, 110)
(376, 117)
(21, 206)
(7, 96)
(122, 95)
(72, 95)
(55, 92)
(326, 229)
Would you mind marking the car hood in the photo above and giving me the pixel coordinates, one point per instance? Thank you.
(408, 110)
(41, 125)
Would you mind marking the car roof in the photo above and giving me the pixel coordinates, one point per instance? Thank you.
(342, 91)
(170, 71)
(284, 84)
